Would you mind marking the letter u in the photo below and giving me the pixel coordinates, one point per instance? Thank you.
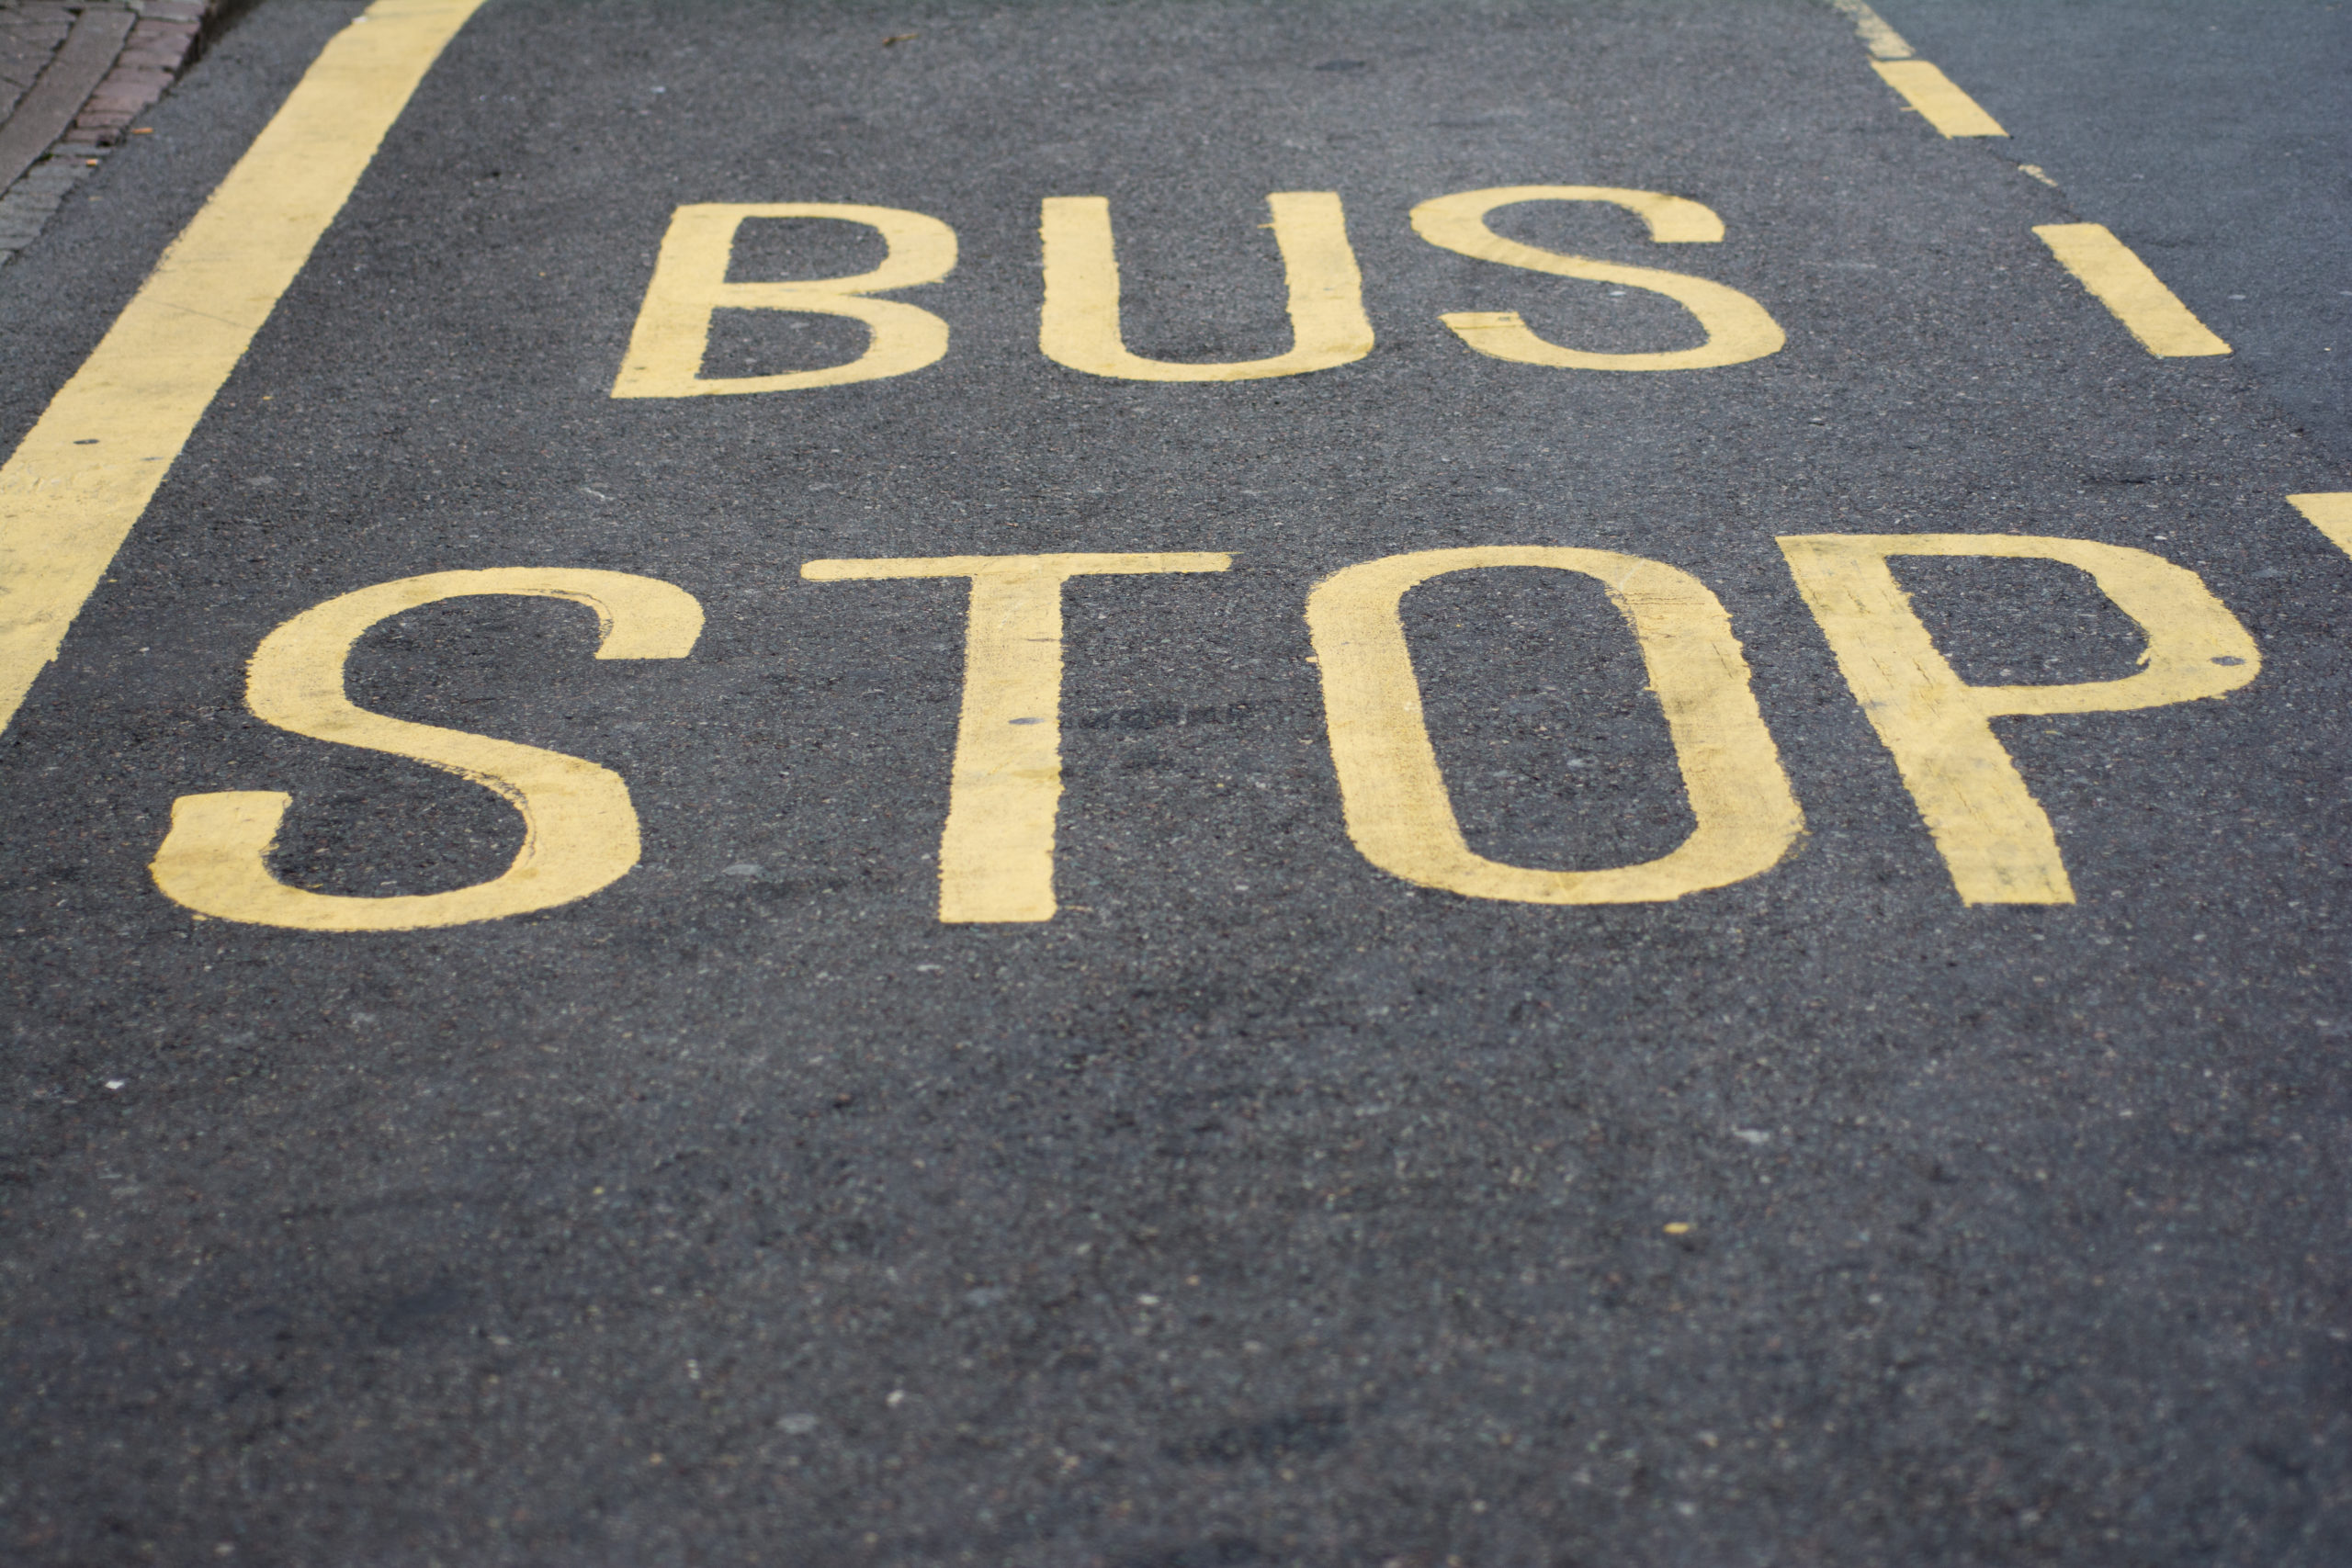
(1079, 324)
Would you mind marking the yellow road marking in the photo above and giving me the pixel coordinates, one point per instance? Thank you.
(2330, 512)
(2122, 282)
(995, 854)
(78, 482)
(689, 287)
(1882, 40)
(1937, 98)
(1078, 325)
(1996, 840)
(1393, 792)
(579, 829)
(1737, 328)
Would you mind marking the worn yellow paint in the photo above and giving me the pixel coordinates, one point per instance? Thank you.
(1393, 792)
(2137, 297)
(1994, 836)
(79, 481)
(2330, 512)
(1079, 324)
(673, 332)
(579, 829)
(1737, 328)
(1882, 40)
(1937, 98)
(995, 854)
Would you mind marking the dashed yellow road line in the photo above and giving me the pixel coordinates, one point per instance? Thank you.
(80, 479)
(2103, 264)
(2122, 281)
(1883, 42)
(1924, 87)
(1937, 98)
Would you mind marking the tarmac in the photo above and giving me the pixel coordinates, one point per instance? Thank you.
(1472, 783)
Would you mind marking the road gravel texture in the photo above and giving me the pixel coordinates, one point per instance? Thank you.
(1260, 1207)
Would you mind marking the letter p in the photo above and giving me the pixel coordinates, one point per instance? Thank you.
(1994, 838)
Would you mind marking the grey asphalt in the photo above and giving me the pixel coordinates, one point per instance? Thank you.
(2211, 136)
(1260, 1208)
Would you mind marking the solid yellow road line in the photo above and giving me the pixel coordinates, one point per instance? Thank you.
(74, 488)
(1938, 100)
(2330, 512)
(2122, 282)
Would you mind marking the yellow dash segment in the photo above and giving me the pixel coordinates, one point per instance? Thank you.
(1883, 42)
(1937, 98)
(78, 482)
(2330, 512)
(2122, 282)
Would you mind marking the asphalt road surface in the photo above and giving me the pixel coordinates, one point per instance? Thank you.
(1602, 1036)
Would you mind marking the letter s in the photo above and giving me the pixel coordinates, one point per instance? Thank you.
(1737, 328)
(579, 832)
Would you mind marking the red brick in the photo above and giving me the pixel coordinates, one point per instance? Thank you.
(113, 111)
(153, 32)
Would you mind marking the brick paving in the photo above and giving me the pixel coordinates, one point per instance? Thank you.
(127, 50)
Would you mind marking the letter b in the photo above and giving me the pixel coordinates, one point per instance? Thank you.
(665, 352)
